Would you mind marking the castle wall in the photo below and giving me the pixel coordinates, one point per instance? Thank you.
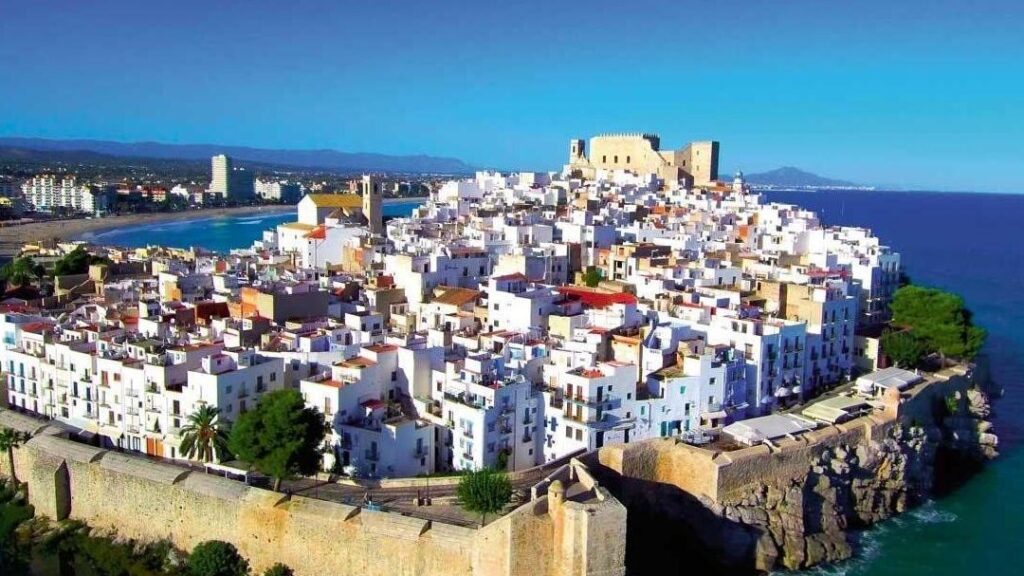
(145, 500)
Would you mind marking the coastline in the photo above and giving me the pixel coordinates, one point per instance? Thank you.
(13, 237)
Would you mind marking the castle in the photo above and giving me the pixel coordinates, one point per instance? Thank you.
(694, 165)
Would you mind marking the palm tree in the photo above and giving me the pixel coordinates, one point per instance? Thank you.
(9, 440)
(205, 437)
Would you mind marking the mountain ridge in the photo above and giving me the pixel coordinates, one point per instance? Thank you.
(323, 158)
(792, 176)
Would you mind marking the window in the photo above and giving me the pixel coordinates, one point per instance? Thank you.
(568, 432)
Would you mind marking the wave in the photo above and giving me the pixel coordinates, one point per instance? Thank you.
(929, 513)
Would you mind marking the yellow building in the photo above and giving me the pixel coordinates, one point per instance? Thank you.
(694, 165)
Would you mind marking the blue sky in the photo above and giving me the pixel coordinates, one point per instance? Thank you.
(916, 94)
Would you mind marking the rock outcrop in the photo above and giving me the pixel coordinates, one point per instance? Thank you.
(798, 505)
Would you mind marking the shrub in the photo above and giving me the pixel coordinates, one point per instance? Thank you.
(217, 558)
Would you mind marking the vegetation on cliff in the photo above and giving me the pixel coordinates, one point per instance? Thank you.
(217, 558)
(937, 322)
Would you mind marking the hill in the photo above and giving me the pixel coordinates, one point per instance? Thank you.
(789, 176)
(323, 159)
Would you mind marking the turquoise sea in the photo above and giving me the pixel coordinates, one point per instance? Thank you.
(968, 243)
(219, 234)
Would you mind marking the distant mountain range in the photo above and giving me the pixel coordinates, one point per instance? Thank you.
(69, 150)
(789, 176)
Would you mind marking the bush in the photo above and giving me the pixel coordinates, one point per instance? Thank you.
(485, 492)
(279, 570)
(217, 558)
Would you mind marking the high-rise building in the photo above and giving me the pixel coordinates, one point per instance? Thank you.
(370, 189)
(230, 182)
(220, 170)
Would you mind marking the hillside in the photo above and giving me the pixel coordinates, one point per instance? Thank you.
(789, 176)
(323, 159)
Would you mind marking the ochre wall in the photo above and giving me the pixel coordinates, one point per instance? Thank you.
(145, 500)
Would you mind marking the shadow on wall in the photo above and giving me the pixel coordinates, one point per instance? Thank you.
(659, 541)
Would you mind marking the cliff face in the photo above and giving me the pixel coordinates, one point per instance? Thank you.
(781, 516)
(809, 520)
(806, 521)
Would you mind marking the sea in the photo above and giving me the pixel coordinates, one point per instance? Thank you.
(967, 243)
(219, 234)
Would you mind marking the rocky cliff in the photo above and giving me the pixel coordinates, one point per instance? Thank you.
(783, 516)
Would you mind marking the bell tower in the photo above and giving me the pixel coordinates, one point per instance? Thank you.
(369, 188)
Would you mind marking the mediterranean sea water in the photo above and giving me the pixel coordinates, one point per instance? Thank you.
(968, 243)
(220, 234)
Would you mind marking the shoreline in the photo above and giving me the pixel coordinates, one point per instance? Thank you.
(13, 237)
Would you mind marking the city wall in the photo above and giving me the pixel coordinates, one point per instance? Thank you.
(146, 500)
(723, 476)
(789, 504)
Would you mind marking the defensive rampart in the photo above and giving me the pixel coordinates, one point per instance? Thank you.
(789, 503)
(147, 500)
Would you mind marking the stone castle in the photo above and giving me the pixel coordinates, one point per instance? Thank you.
(696, 164)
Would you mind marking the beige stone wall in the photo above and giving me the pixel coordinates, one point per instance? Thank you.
(726, 477)
(145, 500)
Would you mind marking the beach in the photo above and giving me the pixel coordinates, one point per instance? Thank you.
(12, 237)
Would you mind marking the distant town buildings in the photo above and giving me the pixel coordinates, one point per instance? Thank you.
(50, 193)
(278, 191)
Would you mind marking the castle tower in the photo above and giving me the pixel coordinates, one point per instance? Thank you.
(577, 150)
(370, 190)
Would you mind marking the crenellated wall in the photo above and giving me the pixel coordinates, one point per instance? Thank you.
(146, 500)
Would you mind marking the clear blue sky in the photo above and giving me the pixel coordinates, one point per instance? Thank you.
(920, 94)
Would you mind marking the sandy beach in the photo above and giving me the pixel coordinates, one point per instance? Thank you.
(12, 237)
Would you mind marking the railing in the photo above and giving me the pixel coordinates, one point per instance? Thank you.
(372, 455)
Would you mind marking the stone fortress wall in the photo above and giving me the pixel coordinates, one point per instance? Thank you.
(753, 509)
(787, 505)
(694, 164)
(147, 500)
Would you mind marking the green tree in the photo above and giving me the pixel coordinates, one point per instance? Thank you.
(77, 262)
(939, 320)
(204, 438)
(903, 348)
(280, 437)
(217, 558)
(21, 271)
(592, 276)
(279, 570)
(9, 440)
(484, 491)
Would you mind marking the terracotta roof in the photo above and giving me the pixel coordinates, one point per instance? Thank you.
(596, 299)
(457, 296)
(297, 226)
(336, 200)
(318, 233)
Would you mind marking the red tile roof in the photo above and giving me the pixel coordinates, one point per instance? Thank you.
(596, 299)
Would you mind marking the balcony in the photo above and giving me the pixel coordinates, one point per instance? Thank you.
(372, 455)
(467, 432)
(420, 452)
